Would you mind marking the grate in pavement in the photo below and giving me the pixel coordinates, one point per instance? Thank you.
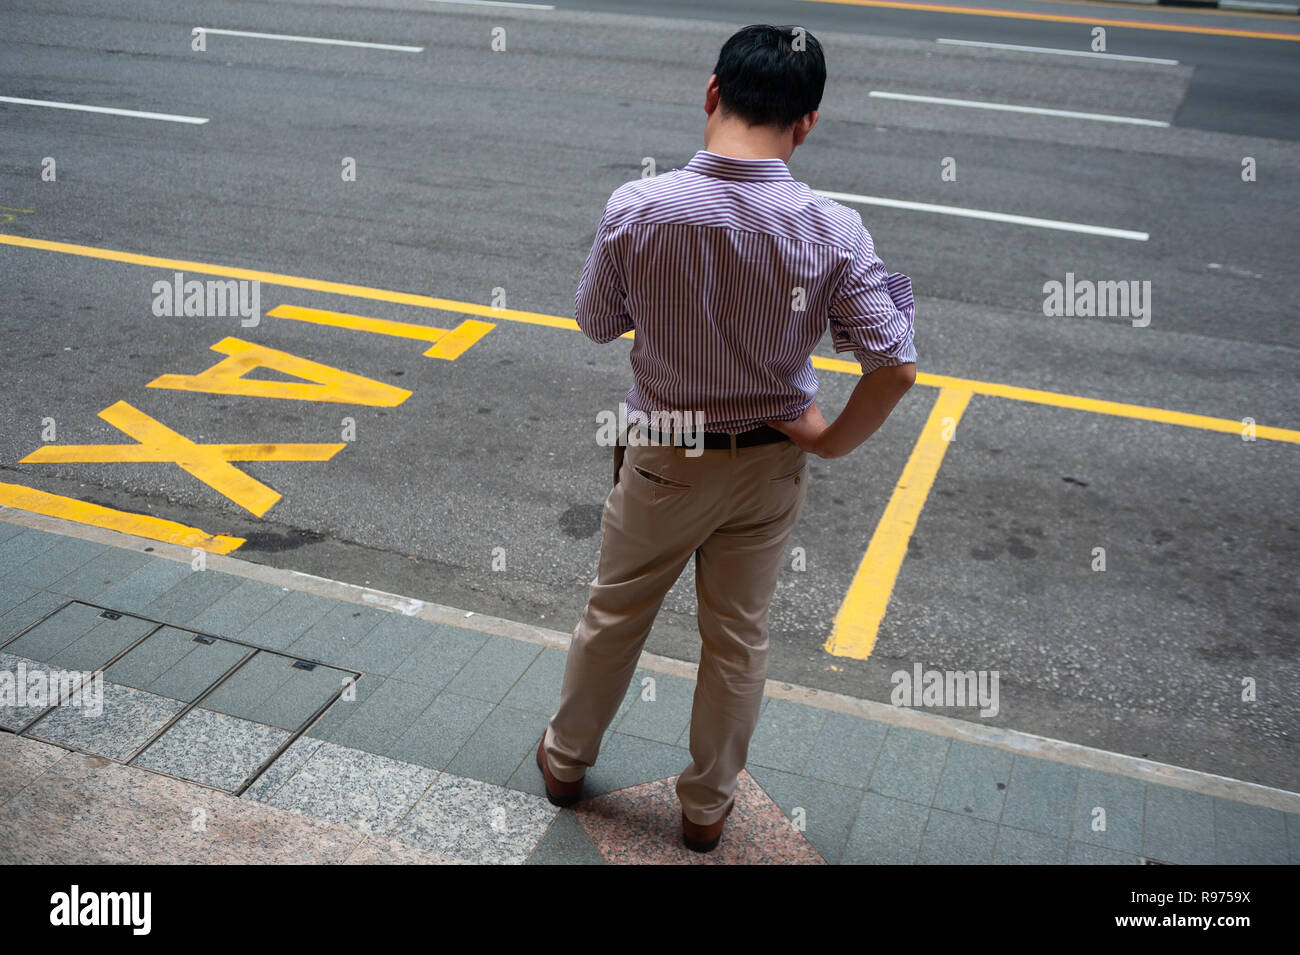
(199, 707)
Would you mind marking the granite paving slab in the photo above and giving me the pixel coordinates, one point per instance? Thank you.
(353, 788)
(212, 748)
(86, 810)
(643, 825)
(22, 760)
(129, 718)
(474, 820)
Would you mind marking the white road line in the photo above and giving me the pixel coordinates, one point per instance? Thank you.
(1002, 107)
(312, 39)
(1048, 49)
(497, 3)
(1057, 224)
(111, 111)
(1257, 7)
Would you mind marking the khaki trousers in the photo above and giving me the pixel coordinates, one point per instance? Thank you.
(734, 511)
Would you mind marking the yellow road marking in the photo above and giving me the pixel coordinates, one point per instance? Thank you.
(210, 463)
(1075, 402)
(447, 343)
(321, 382)
(9, 214)
(138, 525)
(457, 341)
(1118, 409)
(1197, 12)
(1062, 18)
(292, 281)
(854, 631)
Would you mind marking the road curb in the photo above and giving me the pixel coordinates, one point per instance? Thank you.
(1009, 740)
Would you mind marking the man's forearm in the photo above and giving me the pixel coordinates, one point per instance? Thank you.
(870, 404)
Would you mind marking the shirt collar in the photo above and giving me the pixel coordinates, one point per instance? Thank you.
(728, 167)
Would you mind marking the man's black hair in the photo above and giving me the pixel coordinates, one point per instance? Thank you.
(771, 76)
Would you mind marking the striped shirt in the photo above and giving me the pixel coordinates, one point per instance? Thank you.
(729, 271)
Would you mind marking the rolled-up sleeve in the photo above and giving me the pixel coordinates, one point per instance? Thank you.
(872, 312)
(600, 307)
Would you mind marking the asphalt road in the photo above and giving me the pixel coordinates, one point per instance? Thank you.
(480, 170)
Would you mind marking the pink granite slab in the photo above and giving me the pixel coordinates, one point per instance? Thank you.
(22, 760)
(86, 809)
(643, 825)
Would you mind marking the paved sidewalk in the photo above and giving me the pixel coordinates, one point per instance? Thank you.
(254, 714)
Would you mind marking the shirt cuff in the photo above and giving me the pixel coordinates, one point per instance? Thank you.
(870, 361)
(899, 288)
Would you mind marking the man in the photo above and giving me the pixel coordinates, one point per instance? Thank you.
(729, 271)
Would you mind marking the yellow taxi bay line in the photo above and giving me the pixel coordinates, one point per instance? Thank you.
(1075, 402)
(291, 281)
(139, 525)
(1063, 18)
(853, 634)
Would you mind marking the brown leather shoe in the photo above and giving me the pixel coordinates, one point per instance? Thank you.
(558, 792)
(704, 838)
